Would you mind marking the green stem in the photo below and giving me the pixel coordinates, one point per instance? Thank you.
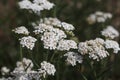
(58, 69)
(33, 60)
(21, 54)
(51, 59)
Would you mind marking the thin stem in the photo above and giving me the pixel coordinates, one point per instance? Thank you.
(51, 59)
(58, 67)
(21, 54)
(33, 60)
(84, 77)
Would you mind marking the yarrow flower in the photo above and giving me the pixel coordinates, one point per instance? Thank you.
(23, 71)
(47, 68)
(4, 70)
(99, 17)
(28, 42)
(53, 34)
(25, 65)
(21, 30)
(73, 58)
(110, 32)
(67, 26)
(66, 45)
(36, 6)
(94, 48)
(50, 39)
(110, 44)
(57, 23)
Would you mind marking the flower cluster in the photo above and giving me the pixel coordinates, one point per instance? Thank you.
(97, 49)
(24, 70)
(47, 68)
(5, 70)
(73, 58)
(36, 6)
(21, 30)
(28, 42)
(94, 48)
(110, 44)
(99, 17)
(25, 65)
(66, 45)
(53, 34)
(110, 32)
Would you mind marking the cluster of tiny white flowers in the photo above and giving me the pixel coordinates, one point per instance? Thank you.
(110, 32)
(94, 48)
(28, 42)
(50, 39)
(66, 45)
(73, 58)
(4, 70)
(99, 17)
(52, 21)
(23, 71)
(36, 5)
(21, 30)
(52, 34)
(57, 23)
(110, 44)
(47, 68)
(25, 65)
(67, 26)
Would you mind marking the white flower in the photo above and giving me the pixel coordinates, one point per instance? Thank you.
(67, 26)
(73, 58)
(52, 21)
(110, 44)
(50, 39)
(23, 78)
(25, 4)
(91, 19)
(52, 33)
(99, 17)
(25, 65)
(21, 30)
(36, 5)
(47, 68)
(28, 42)
(44, 4)
(94, 48)
(66, 45)
(4, 70)
(42, 28)
(110, 32)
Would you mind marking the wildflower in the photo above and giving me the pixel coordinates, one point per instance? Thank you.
(52, 21)
(99, 17)
(110, 44)
(36, 6)
(94, 48)
(21, 30)
(28, 41)
(110, 32)
(42, 28)
(66, 45)
(67, 26)
(47, 68)
(5, 70)
(50, 39)
(25, 65)
(73, 58)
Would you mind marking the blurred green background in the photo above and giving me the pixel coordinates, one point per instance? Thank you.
(71, 11)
